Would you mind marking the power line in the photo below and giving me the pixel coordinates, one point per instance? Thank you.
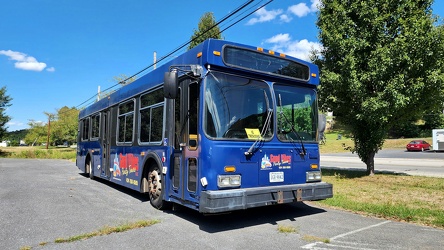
(238, 9)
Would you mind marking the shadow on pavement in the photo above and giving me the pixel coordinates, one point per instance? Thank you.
(246, 218)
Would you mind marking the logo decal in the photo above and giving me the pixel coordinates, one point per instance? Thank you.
(283, 161)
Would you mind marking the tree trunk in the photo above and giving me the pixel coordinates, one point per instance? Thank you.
(370, 162)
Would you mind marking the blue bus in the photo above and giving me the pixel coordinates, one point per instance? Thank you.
(222, 127)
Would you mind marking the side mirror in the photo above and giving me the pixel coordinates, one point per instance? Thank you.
(171, 85)
(322, 122)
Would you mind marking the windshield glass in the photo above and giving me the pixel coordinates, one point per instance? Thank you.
(298, 110)
(236, 107)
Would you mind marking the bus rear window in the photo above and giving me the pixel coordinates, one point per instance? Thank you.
(257, 61)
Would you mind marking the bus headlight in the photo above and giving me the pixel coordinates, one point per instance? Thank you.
(313, 176)
(224, 181)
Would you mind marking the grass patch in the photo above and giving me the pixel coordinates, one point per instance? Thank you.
(38, 153)
(404, 198)
(287, 229)
(345, 144)
(108, 230)
(311, 238)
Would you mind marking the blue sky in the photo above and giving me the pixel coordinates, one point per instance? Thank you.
(56, 53)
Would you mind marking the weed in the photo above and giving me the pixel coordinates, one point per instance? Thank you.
(287, 229)
(311, 238)
(108, 230)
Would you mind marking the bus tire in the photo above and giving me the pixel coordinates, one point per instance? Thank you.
(156, 188)
(89, 168)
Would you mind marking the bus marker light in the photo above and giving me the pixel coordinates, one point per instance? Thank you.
(230, 169)
(260, 49)
(142, 153)
(282, 55)
(313, 74)
(271, 52)
(216, 53)
(164, 170)
(199, 54)
(314, 166)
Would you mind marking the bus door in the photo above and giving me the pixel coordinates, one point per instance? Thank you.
(185, 172)
(105, 143)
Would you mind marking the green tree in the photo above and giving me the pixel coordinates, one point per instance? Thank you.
(64, 128)
(207, 28)
(4, 104)
(37, 133)
(381, 64)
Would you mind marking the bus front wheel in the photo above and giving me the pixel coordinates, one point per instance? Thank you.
(89, 169)
(155, 188)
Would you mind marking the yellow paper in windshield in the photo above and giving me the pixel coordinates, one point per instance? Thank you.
(253, 133)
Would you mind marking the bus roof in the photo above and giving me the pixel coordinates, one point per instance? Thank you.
(211, 53)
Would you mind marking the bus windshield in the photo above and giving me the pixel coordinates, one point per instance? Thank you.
(236, 105)
(296, 112)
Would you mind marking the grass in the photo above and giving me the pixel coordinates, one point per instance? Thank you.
(38, 153)
(109, 230)
(106, 230)
(311, 238)
(397, 197)
(345, 144)
(287, 229)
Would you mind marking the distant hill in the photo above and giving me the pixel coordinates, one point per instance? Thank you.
(15, 136)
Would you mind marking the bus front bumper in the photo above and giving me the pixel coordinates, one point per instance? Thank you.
(237, 199)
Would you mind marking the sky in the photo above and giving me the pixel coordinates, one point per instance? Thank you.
(56, 53)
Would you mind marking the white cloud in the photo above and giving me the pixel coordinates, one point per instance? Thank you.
(315, 4)
(263, 15)
(283, 43)
(300, 10)
(24, 61)
(51, 69)
(279, 39)
(285, 18)
(16, 125)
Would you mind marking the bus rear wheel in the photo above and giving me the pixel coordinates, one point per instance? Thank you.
(155, 188)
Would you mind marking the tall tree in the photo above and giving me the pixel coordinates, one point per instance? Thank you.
(4, 103)
(64, 128)
(381, 63)
(207, 28)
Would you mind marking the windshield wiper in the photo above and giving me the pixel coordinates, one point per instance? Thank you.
(304, 152)
(265, 128)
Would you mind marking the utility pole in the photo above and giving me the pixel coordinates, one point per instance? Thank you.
(49, 128)
(155, 59)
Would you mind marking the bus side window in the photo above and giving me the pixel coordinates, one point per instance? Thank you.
(85, 129)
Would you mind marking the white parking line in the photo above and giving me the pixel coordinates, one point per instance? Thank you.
(313, 245)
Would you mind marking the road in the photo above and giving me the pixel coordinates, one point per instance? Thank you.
(42, 200)
(427, 163)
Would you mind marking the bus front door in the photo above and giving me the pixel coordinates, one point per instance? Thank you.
(185, 172)
(105, 141)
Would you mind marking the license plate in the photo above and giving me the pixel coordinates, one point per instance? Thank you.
(276, 176)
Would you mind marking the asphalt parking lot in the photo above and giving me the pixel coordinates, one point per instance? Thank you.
(42, 200)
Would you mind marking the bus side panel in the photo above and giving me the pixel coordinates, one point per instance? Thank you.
(128, 164)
